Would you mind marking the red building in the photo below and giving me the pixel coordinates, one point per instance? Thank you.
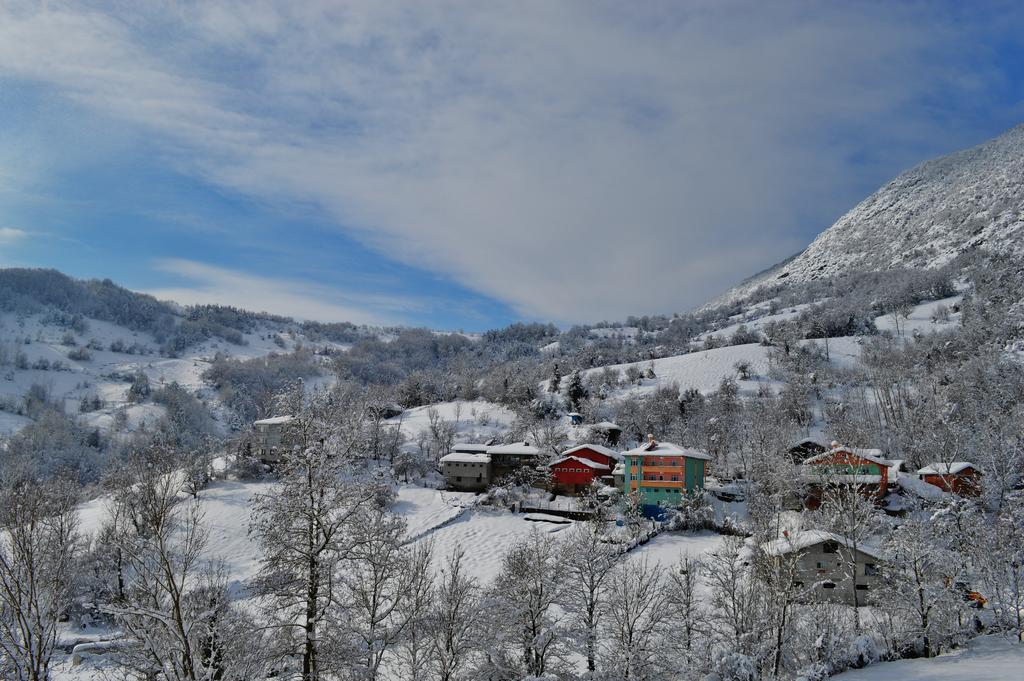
(959, 477)
(580, 466)
(862, 469)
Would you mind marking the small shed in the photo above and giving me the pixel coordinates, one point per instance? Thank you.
(962, 478)
(805, 449)
(611, 432)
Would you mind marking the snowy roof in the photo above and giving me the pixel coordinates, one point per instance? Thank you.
(467, 448)
(611, 454)
(465, 457)
(872, 455)
(842, 477)
(939, 468)
(273, 421)
(586, 462)
(801, 541)
(515, 449)
(810, 441)
(573, 413)
(666, 449)
(606, 425)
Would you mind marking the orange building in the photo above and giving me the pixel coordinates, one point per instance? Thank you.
(962, 478)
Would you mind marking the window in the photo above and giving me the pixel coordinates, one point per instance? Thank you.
(828, 585)
(675, 478)
(862, 587)
(830, 547)
(822, 565)
(458, 478)
(870, 570)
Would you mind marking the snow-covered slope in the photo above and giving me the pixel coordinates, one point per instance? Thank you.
(924, 217)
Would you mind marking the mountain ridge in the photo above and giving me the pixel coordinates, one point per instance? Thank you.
(923, 218)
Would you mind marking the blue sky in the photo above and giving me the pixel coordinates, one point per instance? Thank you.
(464, 165)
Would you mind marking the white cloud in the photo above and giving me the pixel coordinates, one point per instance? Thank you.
(9, 235)
(578, 160)
(302, 300)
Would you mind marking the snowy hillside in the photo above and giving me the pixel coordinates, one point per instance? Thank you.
(924, 217)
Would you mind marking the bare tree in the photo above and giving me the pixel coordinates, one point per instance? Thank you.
(38, 541)
(172, 600)
(304, 529)
(637, 616)
(847, 512)
(454, 620)
(687, 629)
(522, 602)
(382, 581)
(587, 563)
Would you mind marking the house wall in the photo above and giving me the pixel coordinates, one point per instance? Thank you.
(596, 457)
(659, 479)
(964, 484)
(817, 568)
(466, 476)
(848, 463)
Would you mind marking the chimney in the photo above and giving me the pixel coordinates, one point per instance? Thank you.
(651, 442)
(834, 444)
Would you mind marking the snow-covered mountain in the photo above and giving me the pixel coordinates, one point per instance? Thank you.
(923, 218)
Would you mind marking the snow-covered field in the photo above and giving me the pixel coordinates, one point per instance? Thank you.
(988, 658)
(921, 318)
(702, 370)
(475, 421)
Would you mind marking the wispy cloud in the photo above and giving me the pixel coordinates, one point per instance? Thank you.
(9, 235)
(579, 160)
(204, 283)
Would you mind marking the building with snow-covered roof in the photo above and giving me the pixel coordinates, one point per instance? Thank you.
(466, 471)
(828, 567)
(806, 448)
(962, 478)
(580, 466)
(470, 448)
(611, 432)
(270, 439)
(661, 472)
(863, 469)
(508, 458)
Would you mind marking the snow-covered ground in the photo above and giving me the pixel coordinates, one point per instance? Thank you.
(485, 535)
(475, 421)
(921, 318)
(667, 548)
(702, 370)
(754, 319)
(988, 658)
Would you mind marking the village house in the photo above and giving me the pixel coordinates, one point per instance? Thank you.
(805, 449)
(270, 440)
(862, 469)
(962, 478)
(508, 458)
(466, 471)
(611, 432)
(580, 466)
(661, 472)
(828, 567)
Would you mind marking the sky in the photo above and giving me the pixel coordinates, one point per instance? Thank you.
(464, 165)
